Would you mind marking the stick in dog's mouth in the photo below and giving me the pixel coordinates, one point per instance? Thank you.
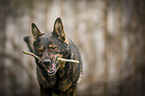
(57, 58)
(43, 67)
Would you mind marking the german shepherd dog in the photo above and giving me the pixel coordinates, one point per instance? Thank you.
(61, 77)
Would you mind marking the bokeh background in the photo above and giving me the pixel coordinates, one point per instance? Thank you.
(109, 33)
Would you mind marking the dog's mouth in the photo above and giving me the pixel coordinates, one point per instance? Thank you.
(51, 69)
(51, 66)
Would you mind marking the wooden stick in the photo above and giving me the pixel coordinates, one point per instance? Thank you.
(67, 60)
(32, 54)
(58, 58)
(40, 64)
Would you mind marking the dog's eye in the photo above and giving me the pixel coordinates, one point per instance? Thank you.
(41, 49)
(53, 47)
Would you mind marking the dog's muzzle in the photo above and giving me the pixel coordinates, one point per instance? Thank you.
(51, 66)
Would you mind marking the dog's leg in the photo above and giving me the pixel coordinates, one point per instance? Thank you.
(43, 93)
(72, 92)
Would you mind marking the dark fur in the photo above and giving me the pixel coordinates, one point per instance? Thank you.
(62, 81)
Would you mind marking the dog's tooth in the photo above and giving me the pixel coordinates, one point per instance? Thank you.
(48, 71)
(53, 69)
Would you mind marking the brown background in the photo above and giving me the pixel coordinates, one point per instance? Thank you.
(109, 33)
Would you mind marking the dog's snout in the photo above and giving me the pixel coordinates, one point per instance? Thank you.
(46, 61)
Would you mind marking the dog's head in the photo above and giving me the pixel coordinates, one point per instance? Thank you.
(49, 46)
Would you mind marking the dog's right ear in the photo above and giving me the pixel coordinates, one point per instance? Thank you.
(29, 41)
(35, 31)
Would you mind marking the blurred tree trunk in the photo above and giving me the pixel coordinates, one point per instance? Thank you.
(2, 43)
(16, 72)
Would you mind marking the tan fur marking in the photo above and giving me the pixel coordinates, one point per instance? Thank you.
(66, 41)
(41, 49)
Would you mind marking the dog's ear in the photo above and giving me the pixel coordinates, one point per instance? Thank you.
(29, 41)
(35, 31)
(58, 30)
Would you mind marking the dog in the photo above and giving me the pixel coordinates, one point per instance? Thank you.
(61, 78)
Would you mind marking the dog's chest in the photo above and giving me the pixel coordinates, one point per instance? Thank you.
(50, 80)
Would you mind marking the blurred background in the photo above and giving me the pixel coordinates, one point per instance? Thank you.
(109, 33)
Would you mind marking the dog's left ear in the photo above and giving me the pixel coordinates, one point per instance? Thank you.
(35, 32)
(59, 30)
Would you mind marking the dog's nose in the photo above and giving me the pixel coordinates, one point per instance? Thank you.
(46, 61)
